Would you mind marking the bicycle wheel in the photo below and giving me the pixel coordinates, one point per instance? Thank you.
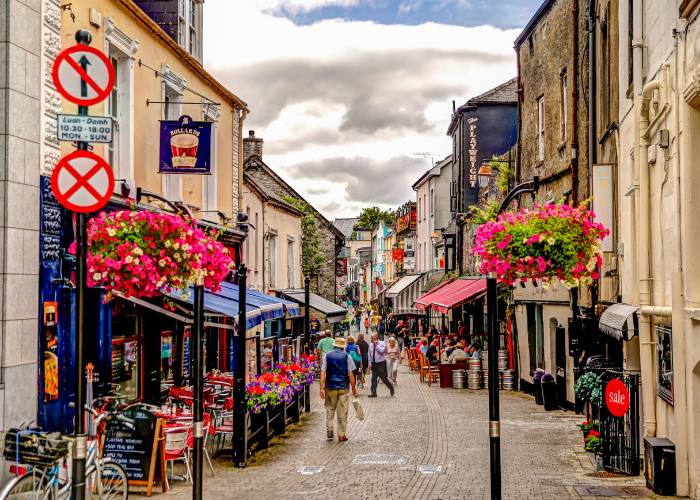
(31, 486)
(109, 482)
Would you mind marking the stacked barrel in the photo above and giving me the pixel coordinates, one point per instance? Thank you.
(474, 374)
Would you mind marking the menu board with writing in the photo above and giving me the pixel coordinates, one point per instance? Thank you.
(140, 451)
(186, 353)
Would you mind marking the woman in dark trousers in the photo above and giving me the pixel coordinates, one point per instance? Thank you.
(364, 349)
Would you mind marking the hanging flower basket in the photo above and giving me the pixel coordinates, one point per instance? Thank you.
(549, 242)
(143, 254)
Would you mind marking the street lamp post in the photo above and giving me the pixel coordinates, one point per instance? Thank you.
(494, 344)
(307, 338)
(240, 433)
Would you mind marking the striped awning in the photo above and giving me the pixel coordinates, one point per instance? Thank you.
(615, 321)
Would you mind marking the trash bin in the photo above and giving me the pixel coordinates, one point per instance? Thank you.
(660, 465)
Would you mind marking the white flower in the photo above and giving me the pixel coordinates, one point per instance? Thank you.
(111, 231)
(128, 259)
(161, 262)
(167, 243)
(551, 240)
(97, 277)
(176, 245)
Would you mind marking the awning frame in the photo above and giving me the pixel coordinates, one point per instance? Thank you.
(614, 321)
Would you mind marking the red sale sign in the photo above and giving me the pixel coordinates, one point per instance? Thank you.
(617, 397)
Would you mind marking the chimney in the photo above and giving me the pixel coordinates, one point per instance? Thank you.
(252, 146)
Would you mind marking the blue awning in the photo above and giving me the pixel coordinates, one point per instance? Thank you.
(219, 304)
(272, 307)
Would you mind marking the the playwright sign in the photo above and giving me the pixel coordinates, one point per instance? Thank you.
(185, 147)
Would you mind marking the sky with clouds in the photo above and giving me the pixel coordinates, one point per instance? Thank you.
(346, 92)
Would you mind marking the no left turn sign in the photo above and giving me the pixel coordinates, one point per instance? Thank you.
(82, 182)
(83, 75)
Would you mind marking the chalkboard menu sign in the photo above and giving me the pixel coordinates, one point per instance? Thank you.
(50, 239)
(186, 353)
(140, 451)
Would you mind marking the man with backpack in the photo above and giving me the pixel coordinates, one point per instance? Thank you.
(337, 376)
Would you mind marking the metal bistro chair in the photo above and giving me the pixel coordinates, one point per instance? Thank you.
(223, 426)
(176, 449)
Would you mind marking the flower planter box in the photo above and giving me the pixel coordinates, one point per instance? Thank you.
(538, 391)
(549, 395)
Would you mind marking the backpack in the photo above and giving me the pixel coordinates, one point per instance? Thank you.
(355, 355)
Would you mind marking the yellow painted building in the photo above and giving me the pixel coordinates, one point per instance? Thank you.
(156, 79)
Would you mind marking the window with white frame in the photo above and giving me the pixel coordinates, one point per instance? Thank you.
(540, 128)
(272, 259)
(121, 48)
(291, 268)
(564, 104)
(173, 89)
(189, 27)
(210, 113)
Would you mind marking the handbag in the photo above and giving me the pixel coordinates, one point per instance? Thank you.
(359, 411)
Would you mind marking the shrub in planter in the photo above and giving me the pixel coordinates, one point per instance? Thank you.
(589, 388)
(549, 392)
(537, 380)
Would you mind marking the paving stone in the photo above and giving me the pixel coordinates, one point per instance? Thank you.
(541, 453)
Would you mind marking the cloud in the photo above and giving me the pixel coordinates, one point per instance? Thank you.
(366, 180)
(342, 105)
(294, 7)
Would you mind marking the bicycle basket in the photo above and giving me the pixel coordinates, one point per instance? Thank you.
(32, 447)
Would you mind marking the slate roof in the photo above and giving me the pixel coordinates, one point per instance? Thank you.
(273, 185)
(269, 195)
(530, 26)
(346, 226)
(505, 93)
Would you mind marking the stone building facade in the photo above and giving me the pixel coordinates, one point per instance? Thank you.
(331, 239)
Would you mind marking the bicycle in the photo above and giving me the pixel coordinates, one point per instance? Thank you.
(45, 479)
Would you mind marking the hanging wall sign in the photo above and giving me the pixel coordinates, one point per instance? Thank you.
(617, 397)
(185, 147)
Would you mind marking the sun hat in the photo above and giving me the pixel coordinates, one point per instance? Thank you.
(339, 342)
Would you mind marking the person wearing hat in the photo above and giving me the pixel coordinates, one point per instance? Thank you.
(337, 376)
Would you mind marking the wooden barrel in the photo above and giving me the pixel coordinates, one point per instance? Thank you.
(502, 359)
(507, 377)
(474, 364)
(473, 379)
(458, 379)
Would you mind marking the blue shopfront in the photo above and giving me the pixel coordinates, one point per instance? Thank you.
(134, 346)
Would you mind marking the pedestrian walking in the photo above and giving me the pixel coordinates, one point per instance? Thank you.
(364, 350)
(336, 378)
(325, 344)
(377, 363)
(393, 358)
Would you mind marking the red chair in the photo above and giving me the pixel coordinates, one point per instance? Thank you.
(176, 449)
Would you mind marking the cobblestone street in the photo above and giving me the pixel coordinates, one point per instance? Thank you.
(542, 455)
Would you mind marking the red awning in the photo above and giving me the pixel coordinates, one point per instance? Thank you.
(424, 301)
(452, 294)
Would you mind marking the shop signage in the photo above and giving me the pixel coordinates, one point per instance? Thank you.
(378, 282)
(617, 397)
(406, 217)
(82, 182)
(50, 347)
(83, 75)
(82, 128)
(141, 450)
(185, 146)
(409, 263)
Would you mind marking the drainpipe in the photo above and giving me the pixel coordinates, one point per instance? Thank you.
(241, 119)
(592, 116)
(678, 303)
(646, 343)
(574, 102)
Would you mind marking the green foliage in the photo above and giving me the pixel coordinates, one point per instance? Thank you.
(504, 174)
(482, 215)
(593, 444)
(589, 388)
(370, 217)
(311, 257)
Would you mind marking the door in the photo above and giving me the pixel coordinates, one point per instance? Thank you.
(560, 361)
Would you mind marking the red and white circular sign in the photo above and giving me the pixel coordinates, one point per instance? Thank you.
(82, 182)
(617, 397)
(83, 75)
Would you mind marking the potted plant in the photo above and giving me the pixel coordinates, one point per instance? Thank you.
(537, 380)
(549, 391)
(589, 389)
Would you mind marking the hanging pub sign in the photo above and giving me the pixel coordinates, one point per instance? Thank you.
(185, 146)
(341, 268)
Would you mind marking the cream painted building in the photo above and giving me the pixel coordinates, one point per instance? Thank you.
(272, 251)
(156, 79)
(658, 203)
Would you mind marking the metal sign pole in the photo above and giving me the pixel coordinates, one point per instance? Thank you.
(78, 481)
(198, 403)
(240, 426)
(307, 339)
(494, 403)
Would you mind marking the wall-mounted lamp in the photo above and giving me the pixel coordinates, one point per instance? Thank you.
(125, 189)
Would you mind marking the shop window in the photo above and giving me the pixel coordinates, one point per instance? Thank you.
(126, 354)
(166, 355)
(664, 363)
